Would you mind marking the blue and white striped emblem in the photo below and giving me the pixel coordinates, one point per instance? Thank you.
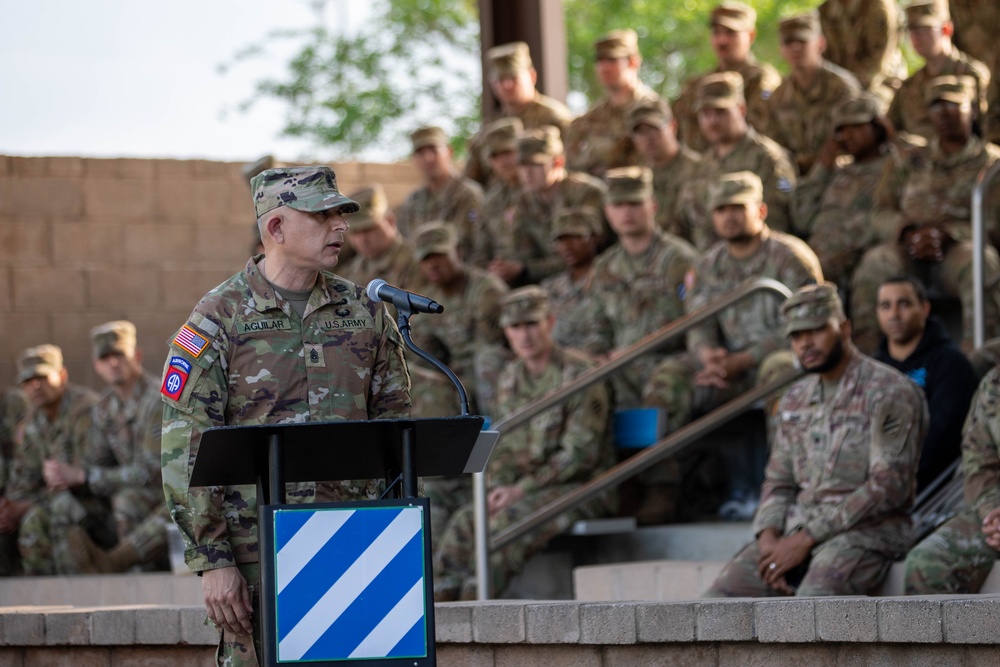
(350, 583)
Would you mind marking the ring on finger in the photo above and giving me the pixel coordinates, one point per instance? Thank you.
(772, 566)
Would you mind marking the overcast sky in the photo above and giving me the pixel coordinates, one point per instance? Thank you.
(139, 78)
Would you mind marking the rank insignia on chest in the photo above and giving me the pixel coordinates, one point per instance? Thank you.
(175, 378)
(190, 340)
(314, 356)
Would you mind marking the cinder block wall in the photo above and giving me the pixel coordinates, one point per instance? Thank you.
(83, 241)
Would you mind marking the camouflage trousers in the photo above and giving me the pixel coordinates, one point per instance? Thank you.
(447, 496)
(953, 559)
(42, 535)
(131, 506)
(953, 275)
(242, 650)
(455, 557)
(149, 537)
(838, 567)
(434, 395)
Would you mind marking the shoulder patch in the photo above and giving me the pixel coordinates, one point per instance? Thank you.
(176, 377)
(191, 340)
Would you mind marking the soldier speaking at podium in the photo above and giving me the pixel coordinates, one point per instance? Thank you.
(283, 341)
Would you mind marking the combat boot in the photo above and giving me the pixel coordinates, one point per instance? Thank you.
(91, 559)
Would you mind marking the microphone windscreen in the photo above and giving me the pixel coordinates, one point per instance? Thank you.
(373, 288)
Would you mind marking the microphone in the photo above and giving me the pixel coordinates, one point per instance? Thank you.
(380, 290)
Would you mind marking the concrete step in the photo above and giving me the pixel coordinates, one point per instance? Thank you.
(102, 590)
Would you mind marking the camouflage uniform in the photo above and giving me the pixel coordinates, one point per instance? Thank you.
(572, 307)
(556, 452)
(246, 357)
(843, 468)
(760, 80)
(976, 28)
(956, 558)
(863, 38)
(42, 535)
(800, 119)
(459, 203)
(926, 186)
(13, 409)
(755, 153)
(668, 180)
(600, 139)
(634, 297)
(499, 212)
(991, 122)
(397, 266)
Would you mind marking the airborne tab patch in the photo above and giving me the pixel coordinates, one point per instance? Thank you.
(190, 340)
(175, 378)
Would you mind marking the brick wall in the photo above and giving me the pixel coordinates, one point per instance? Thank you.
(84, 241)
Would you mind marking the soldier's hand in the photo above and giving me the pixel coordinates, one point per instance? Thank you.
(11, 512)
(927, 243)
(991, 529)
(502, 497)
(787, 553)
(506, 269)
(60, 476)
(829, 152)
(227, 600)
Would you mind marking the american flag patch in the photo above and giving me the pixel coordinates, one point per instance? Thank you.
(190, 340)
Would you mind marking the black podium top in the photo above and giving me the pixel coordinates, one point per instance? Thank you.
(232, 455)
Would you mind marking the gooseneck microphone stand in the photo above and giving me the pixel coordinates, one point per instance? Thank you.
(403, 320)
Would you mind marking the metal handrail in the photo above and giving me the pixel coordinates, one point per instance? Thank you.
(650, 343)
(986, 177)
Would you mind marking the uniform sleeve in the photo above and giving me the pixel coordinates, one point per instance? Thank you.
(25, 480)
(779, 489)
(807, 198)
(106, 477)
(981, 447)
(390, 387)
(487, 303)
(779, 183)
(898, 425)
(708, 333)
(197, 512)
(886, 216)
(584, 435)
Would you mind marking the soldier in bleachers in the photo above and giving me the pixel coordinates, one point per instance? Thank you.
(734, 29)
(923, 215)
(654, 133)
(832, 207)
(734, 146)
(599, 139)
(512, 78)
(499, 147)
(547, 188)
(991, 122)
(931, 29)
(13, 410)
(799, 110)
(977, 28)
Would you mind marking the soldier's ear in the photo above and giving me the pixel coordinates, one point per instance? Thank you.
(274, 227)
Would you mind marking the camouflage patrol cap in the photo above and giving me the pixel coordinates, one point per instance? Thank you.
(501, 136)
(927, 14)
(118, 336)
(735, 16)
(722, 90)
(617, 44)
(811, 308)
(525, 304)
(507, 59)
(628, 184)
(428, 136)
(538, 145)
(39, 361)
(800, 28)
(740, 187)
(308, 189)
(957, 89)
(857, 110)
(373, 204)
(649, 112)
(576, 221)
(435, 238)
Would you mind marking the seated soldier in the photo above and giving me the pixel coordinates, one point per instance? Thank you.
(380, 251)
(13, 410)
(532, 466)
(923, 216)
(958, 556)
(832, 206)
(495, 235)
(834, 509)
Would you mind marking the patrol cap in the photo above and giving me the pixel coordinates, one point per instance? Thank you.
(118, 336)
(308, 189)
(628, 184)
(507, 59)
(735, 16)
(576, 221)
(958, 89)
(649, 112)
(927, 14)
(373, 203)
(538, 145)
(800, 28)
(740, 187)
(501, 135)
(39, 361)
(428, 136)
(811, 308)
(617, 44)
(722, 90)
(525, 304)
(435, 238)
(857, 110)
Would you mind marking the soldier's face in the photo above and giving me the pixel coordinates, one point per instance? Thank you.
(515, 88)
(722, 125)
(927, 40)
(857, 140)
(433, 162)
(820, 350)
(613, 72)
(45, 391)
(116, 369)
(535, 176)
(901, 315)
(952, 120)
(800, 53)
(576, 251)
(372, 242)
(731, 46)
(438, 269)
(311, 241)
(504, 165)
(738, 222)
(631, 218)
(531, 340)
(655, 143)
